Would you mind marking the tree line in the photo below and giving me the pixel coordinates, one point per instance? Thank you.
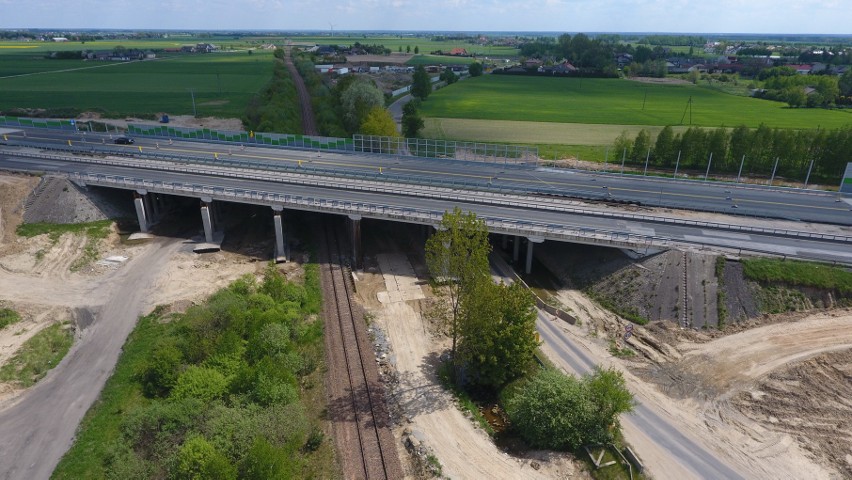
(757, 149)
(276, 107)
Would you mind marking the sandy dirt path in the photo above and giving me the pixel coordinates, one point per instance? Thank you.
(39, 428)
(463, 450)
(735, 360)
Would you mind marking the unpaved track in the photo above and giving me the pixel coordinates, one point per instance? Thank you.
(39, 428)
(309, 123)
(463, 450)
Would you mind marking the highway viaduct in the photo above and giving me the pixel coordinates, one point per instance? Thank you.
(528, 202)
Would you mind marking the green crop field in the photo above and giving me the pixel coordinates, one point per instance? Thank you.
(616, 102)
(439, 60)
(223, 83)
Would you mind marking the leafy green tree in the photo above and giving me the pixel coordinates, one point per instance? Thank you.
(162, 371)
(421, 85)
(412, 123)
(664, 147)
(357, 100)
(457, 258)
(416, 50)
(498, 333)
(844, 84)
(641, 146)
(408, 49)
(475, 69)
(623, 145)
(608, 393)
(795, 96)
(379, 122)
(449, 76)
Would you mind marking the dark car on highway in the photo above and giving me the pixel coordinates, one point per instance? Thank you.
(124, 140)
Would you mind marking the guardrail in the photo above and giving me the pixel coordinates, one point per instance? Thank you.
(446, 190)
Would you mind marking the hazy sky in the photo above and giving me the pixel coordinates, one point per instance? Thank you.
(707, 16)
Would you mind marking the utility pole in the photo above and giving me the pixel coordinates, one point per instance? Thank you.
(741, 169)
(808, 177)
(709, 161)
(677, 164)
(647, 157)
(192, 94)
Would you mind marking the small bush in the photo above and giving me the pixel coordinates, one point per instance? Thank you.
(197, 459)
(8, 317)
(202, 383)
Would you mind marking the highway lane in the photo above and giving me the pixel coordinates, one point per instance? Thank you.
(808, 248)
(683, 451)
(793, 204)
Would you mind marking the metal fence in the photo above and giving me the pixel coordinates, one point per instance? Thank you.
(275, 139)
(52, 123)
(467, 151)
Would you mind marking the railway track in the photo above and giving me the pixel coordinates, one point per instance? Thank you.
(357, 408)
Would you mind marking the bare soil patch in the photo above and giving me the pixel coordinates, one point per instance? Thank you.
(394, 58)
(232, 124)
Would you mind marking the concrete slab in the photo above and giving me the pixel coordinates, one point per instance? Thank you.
(209, 247)
(140, 236)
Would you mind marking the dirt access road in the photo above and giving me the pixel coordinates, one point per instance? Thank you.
(39, 428)
(309, 123)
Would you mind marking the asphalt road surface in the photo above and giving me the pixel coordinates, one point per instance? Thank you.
(37, 430)
(736, 199)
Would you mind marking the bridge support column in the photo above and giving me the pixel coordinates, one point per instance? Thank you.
(139, 202)
(516, 248)
(505, 241)
(280, 252)
(530, 242)
(355, 223)
(207, 221)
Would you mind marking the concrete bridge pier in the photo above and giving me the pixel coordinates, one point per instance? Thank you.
(355, 229)
(207, 220)
(505, 241)
(141, 215)
(280, 252)
(516, 247)
(530, 242)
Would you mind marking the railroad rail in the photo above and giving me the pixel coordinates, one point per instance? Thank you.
(357, 408)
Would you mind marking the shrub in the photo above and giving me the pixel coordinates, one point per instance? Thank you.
(203, 383)
(266, 462)
(162, 371)
(559, 411)
(197, 459)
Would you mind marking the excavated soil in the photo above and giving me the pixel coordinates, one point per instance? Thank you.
(812, 402)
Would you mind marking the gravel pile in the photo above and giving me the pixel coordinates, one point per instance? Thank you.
(57, 200)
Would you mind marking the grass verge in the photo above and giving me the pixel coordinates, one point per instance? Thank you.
(803, 274)
(95, 230)
(8, 317)
(38, 355)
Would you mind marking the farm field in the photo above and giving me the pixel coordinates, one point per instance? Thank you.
(615, 102)
(223, 84)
